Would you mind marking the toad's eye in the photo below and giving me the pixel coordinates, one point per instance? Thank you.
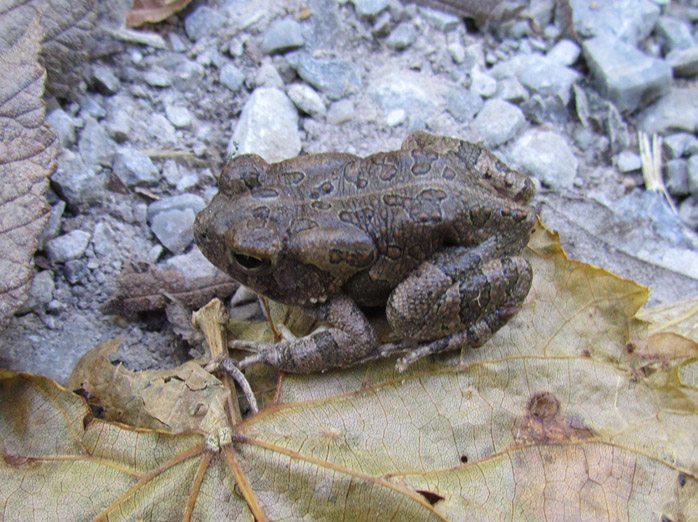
(250, 263)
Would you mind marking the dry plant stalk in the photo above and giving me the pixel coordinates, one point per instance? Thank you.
(652, 165)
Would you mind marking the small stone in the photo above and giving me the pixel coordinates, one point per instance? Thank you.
(95, 146)
(369, 8)
(306, 99)
(53, 225)
(463, 104)
(40, 292)
(104, 80)
(693, 174)
(210, 57)
(231, 77)
(673, 34)
(684, 62)
(676, 111)
(334, 77)
(119, 124)
(268, 76)
(92, 108)
(180, 117)
(624, 74)
(498, 122)
(444, 22)
(178, 202)
(134, 167)
(69, 246)
(160, 130)
(176, 43)
(688, 212)
(173, 229)
(628, 161)
(340, 112)
(157, 77)
(675, 145)
(202, 22)
(64, 125)
(402, 36)
(283, 36)
(75, 271)
(192, 265)
(396, 117)
(542, 76)
(510, 89)
(676, 177)
(564, 53)
(457, 52)
(104, 240)
(73, 178)
(628, 20)
(188, 75)
(482, 84)
(171, 172)
(268, 126)
(381, 27)
(547, 156)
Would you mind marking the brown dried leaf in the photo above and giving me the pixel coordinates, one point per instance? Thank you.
(153, 10)
(480, 10)
(144, 287)
(28, 151)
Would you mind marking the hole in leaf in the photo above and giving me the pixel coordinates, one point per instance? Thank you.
(431, 497)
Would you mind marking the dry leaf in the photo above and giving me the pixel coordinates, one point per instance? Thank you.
(144, 287)
(153, 10)
(481, 10)
(556, 418)
(28, 151)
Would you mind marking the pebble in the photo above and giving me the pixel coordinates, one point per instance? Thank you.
(134, 167)
(676, 145)
(73, 178)
(369, 8)
(482, 84)
(335, 77)
(91, 108)
(283, 36)
(396, 117)
(676, 177)
(201, 22)
(628, 161)
(546, 156)
(53, 225)
(69, 246)
(675, 111)
(119, 124)
(381, 27)
(268, 126)
(629, 20)
(104, 79)
(64, 125)
(268, 76)
(188, 75)
(693, 174)
(457, 52)
(463, 104)
(440, 20)
(75, 271)
(157, 77)
(404, 89)
(173, 229)
(625, 75)
(95, 145)
(497, 122)
(402, 36)
(541, 75)
(340, 112)
(180, 117)
(179, 202)
(306, 99)
(104, 240)
(673, 34)
(160, 130)
(40, 292)
(192, 265)
(176, 43)
(688, 211)
(510, 89)
(683, 62)
(231, 77)
(564, 53)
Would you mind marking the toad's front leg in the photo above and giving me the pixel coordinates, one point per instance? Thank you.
(349, 338)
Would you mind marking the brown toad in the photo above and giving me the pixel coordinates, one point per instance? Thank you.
(432, 232)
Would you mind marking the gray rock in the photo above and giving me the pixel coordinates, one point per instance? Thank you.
(456, 51)
(439, 20)
(381, 27)
(541, 109)
(628, 161)
(104, 240)
(676, 111)
(69, 246)
(629, 20)
(543, 76)
(268, 126)
(333, 76)
(675, 145)
(64, 125)
(176, 42)
(188, 75)
(95, 146)
(402, 36)
(407, 90)
(119, 124)
(180, 117)
(192, 265)
(40, 292)
(202, 22)
(624, 74)
(673, 34)
(53, 225)
(306, 99)
(463, 104)
(134, 168)
(482, 84)
(283, 36)
(159, 130)
(231, 77)
(157, 77)
(91, 108)
(173, 229)
(268, 76)
(369, 8)
(179, 202)
(104, 79)
(676, 177)
(75, 271)
(693, 174)
(688, 212)
(684, 62)
(340, 112)
(510, 89)
(395, 118)
(73, 178)
(564, 53)
(497, 122)
(547, 156)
